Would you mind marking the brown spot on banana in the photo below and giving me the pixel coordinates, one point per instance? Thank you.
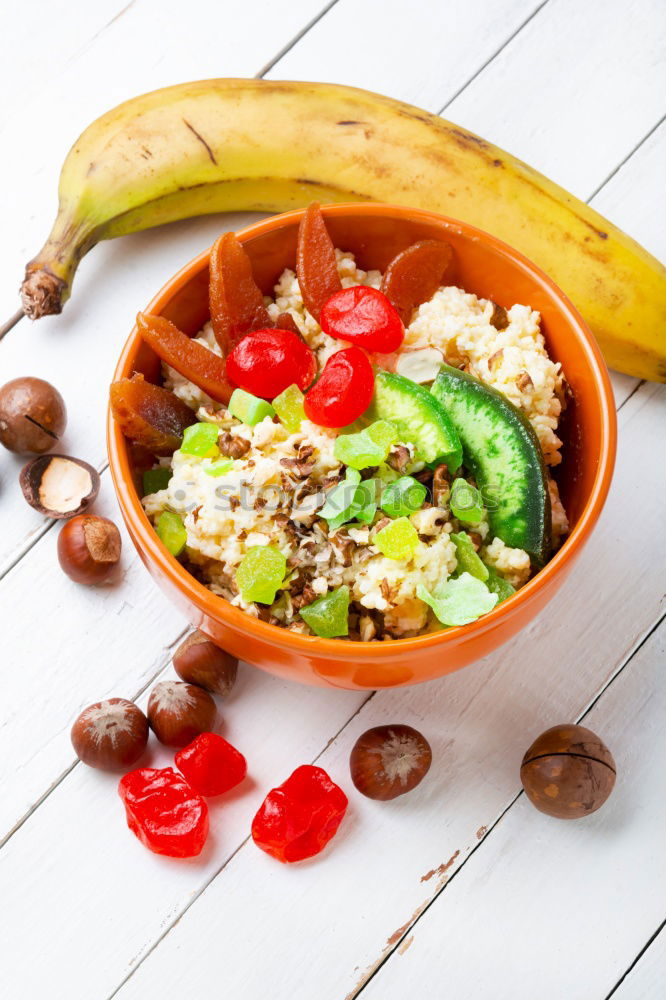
(201, 139)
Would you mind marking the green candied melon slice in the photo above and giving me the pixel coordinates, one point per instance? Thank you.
(420, 419)
(503, 452)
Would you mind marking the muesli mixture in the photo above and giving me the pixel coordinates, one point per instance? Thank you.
(420, 511)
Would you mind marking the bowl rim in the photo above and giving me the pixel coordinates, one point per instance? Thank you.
(217, 607)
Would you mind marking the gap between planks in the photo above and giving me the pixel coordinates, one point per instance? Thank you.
(42, 531)
(408, 929)
(23, 551)
(163, 664)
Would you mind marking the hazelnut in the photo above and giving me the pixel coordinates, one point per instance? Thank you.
(568, 772)
(389, 760)
(32, 416)
(178, 712)
(59, 486)
(110, 734)
(89, 548)
(199, 661)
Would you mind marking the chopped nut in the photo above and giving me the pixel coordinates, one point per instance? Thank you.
(499, 318)
(495, 359)
(367, 628)
(399, 458)
(301, 468)
(195, 513)
(524, 382)
(232, 445)
(441, 486)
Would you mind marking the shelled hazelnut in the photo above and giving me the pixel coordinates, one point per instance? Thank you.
(59, 486)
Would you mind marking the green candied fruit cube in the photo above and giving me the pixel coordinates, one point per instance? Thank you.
(218, 468)
(171, 530)
(398, 540)
(383, 433)
(341, 501)
(248, 408)
(465, 502)
(496, 584)
(289, 408)
(365, 501)
(260, 573)
(155, 480)
(328, 615)
(403, 496)
(459, 601)
(201, 440)
(468, 560)
(367, 447)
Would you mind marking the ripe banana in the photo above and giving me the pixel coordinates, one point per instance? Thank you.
(222, 145)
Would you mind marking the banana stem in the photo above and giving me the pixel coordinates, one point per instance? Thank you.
(48, 277)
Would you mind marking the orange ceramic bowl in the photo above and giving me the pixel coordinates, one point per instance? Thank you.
(485, 266)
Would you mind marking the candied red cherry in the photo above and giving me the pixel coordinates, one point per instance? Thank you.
(365, 317)
(211, 765)
(163, 811)
(297, 819)
(344, 390)
(265, 362)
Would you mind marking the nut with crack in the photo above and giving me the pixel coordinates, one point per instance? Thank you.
(59, 486)
(32, 416)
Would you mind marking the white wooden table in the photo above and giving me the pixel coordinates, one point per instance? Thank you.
(461, 889)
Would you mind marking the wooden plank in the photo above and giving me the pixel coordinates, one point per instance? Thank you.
(576, 90)
(74, 872)
(646, 980)
(86, 339)
(31, 60)
(588, 905)
(424, 57)
(110, 280)
(631, 197)
(395, 855)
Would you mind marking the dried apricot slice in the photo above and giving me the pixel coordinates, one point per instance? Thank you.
(286, 321)
(192, 360)
(236, 303)
(316, 266)
(415, 274)
(150, 415)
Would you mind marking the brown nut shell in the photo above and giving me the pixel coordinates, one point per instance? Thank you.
(568, 772)
(199, 661)
(388, 761)
(177, 712)
(89, 548)
(59, 486)
(32, 416)
(111, 734)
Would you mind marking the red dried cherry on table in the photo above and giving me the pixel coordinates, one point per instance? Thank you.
(363, 316)
(163, 811)
(343, 391)
(265, 362)
(211, 765)
(297, 819)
